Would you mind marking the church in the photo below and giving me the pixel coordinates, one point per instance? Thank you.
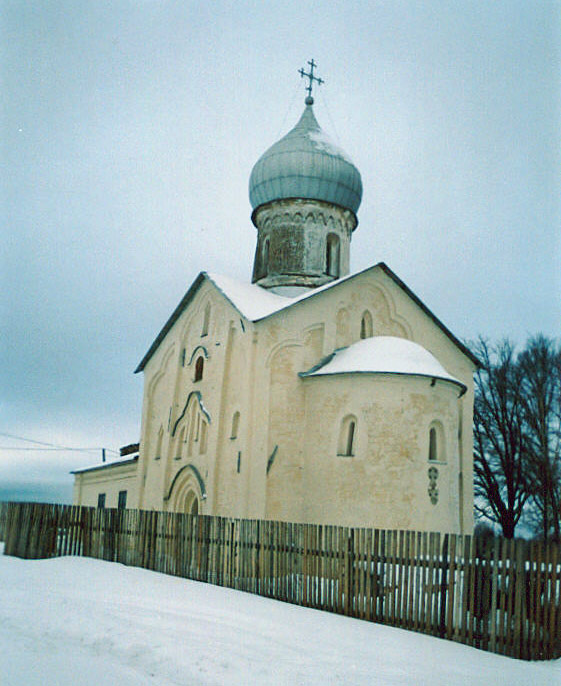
(308, 394)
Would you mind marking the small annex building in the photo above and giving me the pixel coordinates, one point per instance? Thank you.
(307, 395)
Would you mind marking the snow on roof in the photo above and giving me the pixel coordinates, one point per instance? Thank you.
(104, 465)
(255, 302)
(383, 355)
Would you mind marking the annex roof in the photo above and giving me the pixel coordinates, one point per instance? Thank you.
(106, 465)
(383, 355)
(255, 303)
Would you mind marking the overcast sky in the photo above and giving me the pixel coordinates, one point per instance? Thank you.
(129, 131)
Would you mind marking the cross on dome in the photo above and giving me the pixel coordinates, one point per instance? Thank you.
(303, 74)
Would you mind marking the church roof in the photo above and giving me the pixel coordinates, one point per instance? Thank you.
(255, 303)
(383, 355)
(306, 164)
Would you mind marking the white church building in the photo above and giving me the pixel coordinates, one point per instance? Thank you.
(309, 394)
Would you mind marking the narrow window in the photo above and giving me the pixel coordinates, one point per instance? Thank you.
(206, 320)
(202, 444)
(235, 425)
(332, 255)
(101, 500)
(239, 462)
(199, 366)
(433, 452)
(347, 436)
(183, 357)
(122, 502)
(366, 325)
(437, 444)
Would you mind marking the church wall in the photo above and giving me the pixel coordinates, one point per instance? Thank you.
(385, 482)
(291, 330)
(175, 401)
(291, 424)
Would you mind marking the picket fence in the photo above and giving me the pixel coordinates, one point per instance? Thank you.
(495, 594)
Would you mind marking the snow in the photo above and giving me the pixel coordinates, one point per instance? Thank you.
(110, 463)
(255, 302)
(252, 301)
(384, 355)
(324, 143)
(87, 622)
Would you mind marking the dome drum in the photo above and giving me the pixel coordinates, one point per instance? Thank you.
(305, 193)
(301, 243)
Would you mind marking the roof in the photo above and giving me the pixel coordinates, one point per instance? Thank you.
(255, 303)
(306, 164)
(383, 355)
(106, 465)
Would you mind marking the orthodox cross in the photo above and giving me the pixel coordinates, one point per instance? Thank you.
(303, 74)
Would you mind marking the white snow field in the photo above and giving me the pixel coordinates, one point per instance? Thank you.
(81, 622)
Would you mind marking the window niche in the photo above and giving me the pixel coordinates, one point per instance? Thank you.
(203, 437)
(347, 437)
(235, 425)
(437, 447)
(366, 329)
(206, 320)
(332, 255)
(199, 368)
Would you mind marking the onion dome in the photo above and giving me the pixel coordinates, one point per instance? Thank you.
(306, 164)
(384, 355)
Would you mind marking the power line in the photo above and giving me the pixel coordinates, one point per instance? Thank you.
(12, 447)
(52, 446)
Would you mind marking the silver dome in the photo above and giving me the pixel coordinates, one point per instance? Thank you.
(306, 164)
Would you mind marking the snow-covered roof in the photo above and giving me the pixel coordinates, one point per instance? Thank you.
(105, 465)
(383, 355)
(256, 303)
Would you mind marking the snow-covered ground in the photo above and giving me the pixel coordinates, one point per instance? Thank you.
(81, 622)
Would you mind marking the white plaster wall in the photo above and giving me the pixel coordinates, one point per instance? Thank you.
(110, 480)
(252, 368)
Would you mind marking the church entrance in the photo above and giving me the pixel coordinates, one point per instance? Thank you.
(191, 505)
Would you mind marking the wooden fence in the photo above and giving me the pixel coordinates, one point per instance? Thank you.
(498, 595)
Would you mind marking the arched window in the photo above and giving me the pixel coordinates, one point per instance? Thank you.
(437, 447)
(206, 320)
(433, 447)
(235, 425)
(366, 330)
(199, 367)
(332, 255)
(347, 436)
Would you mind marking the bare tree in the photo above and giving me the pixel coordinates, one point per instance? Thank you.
(500, 465)
(540, 363)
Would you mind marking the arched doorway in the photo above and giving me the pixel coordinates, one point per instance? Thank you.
(191, 505)
(187, 492)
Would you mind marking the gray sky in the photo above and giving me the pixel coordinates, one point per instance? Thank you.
(129, 130)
